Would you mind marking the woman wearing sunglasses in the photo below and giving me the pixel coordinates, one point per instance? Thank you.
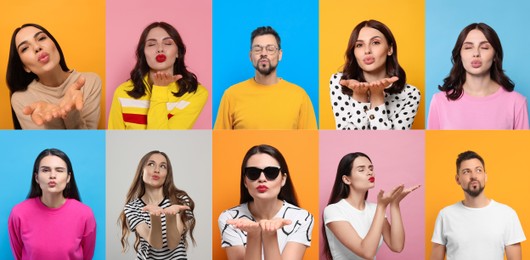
(354, 228)
(160, 214)
(268, 224)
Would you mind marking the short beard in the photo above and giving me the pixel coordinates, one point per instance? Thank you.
(265, 71)
(474, 193)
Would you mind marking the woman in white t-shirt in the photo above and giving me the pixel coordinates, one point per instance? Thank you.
(268, 224)
(353, 227)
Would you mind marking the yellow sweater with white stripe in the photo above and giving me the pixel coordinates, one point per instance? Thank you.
(157, 109)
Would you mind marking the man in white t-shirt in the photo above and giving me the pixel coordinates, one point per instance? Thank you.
(477, 227)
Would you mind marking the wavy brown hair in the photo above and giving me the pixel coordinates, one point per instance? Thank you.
(454, 83)
(352, 70)
(175, 195)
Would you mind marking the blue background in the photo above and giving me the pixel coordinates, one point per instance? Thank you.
(444, 21)
(86, 150)
(295, 21)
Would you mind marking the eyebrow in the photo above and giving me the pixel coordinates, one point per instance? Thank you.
(377, 36)
(49, 167)
(165, 38)
(34, 36)
(480, 43)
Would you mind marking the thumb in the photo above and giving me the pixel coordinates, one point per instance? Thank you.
(28, 110)
(286, 222)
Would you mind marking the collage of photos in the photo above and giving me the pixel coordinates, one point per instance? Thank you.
(344, 147)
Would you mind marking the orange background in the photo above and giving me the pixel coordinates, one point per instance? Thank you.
(406, 20)
(506, 162)
(78, 26)
(300, 149)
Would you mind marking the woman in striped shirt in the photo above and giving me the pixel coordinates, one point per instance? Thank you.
(157, 211)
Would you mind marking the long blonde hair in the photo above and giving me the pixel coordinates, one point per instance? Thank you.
(175, 195)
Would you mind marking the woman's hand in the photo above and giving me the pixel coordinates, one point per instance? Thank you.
(245, 224)
(269, 227)
(73, 98)
(175, 209)
(163, 78)
(153, 210)
(42, 112)
(360, 89)
(384, 199)
(377, 90)
(404, 193)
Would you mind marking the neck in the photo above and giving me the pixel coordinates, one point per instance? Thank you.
(356, 198)
(479, 201)
(375, 75)
(153, 196)
(54, 78)
(265, 209)
(53, 200)
(266, 79)
(480, 85)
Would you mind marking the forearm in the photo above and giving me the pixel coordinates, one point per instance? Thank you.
(370, 243)
(253, 248)
(397, 231)
(174, 229)
(155, 232)
(271, 250)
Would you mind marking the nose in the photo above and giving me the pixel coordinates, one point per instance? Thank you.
(476, 54)
(367, 49)
(53, 174)
(160, 48)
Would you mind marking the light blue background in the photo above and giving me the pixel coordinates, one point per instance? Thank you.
(295, 21)
(444, 21)
(86, 150)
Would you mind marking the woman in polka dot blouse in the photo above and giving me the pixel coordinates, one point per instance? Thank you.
(371, 92)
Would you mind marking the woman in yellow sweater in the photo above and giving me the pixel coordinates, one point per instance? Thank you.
(162, 93)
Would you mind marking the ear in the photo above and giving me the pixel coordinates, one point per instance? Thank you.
(457, 179)
(390, 50)
(346, 180)
(26, 69)
(284, 179)
(280, 53)
(68, 177)
(36, 179)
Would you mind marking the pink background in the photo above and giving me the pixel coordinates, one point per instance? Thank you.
(398, 158)
(126, 21)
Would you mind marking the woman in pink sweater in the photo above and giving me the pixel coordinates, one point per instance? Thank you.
(477, 94)
(52, 223)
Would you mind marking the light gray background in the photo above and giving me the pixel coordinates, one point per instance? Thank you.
(190, 153)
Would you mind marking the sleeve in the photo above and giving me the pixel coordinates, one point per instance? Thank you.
(116, 116)
(89, 237)
(304, 230)
(15, 237)
(132, 214)
(307, 119)
(332, 213)
(18, 104)
(521, 116)
(224, 114)
(229, 235)
(188, 110)
(92, 100)
(438, 236)
(349, 114)
(514, 231)
(433, 122)
(402, 117)
(158, 114)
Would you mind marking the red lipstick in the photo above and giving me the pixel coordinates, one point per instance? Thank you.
(262, 188)
(160, 57)
(371, 179)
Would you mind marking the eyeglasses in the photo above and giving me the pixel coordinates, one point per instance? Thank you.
(271, 172)
(270, 49)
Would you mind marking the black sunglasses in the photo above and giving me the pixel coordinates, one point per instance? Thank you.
(271, 172)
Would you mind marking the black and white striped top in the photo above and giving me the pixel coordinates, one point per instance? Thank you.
(134, 215)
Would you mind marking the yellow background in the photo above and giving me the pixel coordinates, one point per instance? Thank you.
(78, 26)
(337, 20)
(300, 149)
(506, 162)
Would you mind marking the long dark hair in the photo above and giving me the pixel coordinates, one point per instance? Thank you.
(187, 84)
(340, 189)
(17, 77)
(453, 84)
(287, 192)
(175, 196)
(352, 70)
(70, 191)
